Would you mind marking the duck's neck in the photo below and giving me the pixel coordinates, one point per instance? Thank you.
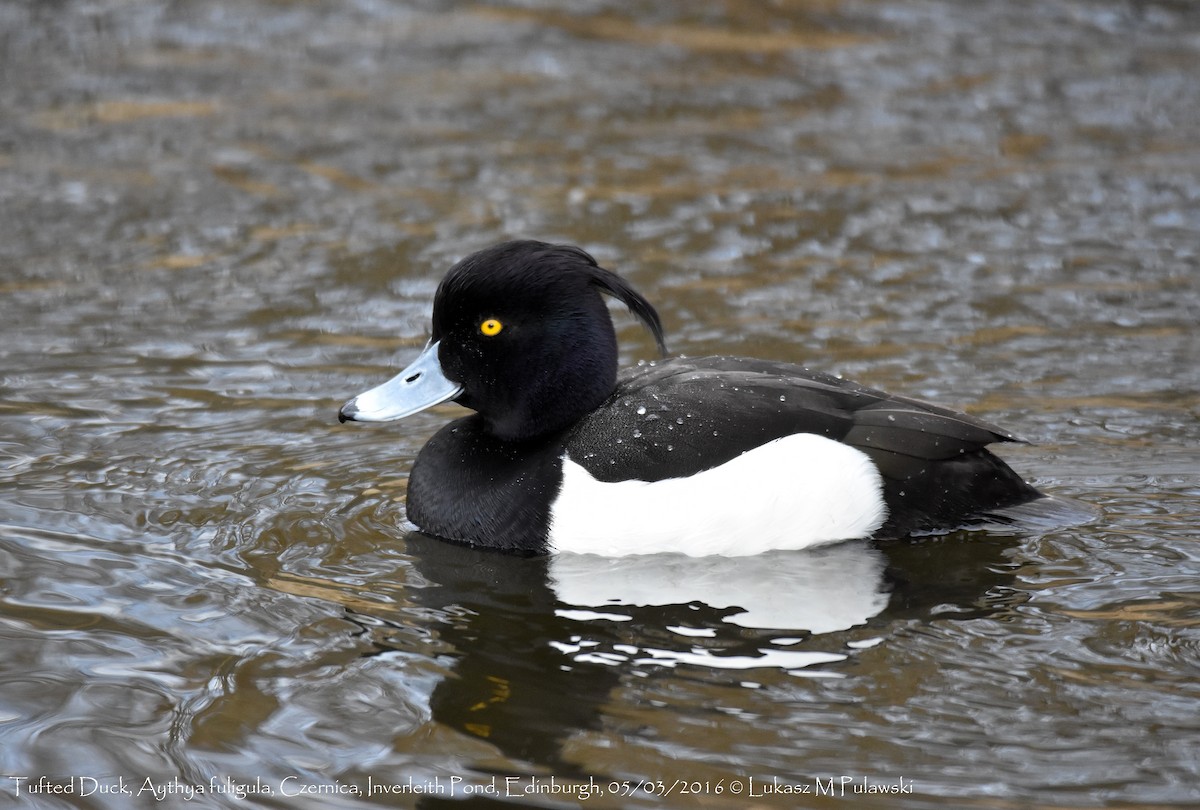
(473, 488)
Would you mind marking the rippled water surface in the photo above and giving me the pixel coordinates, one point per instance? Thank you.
(219, 220)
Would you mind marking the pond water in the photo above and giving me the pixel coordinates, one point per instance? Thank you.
(218, 221)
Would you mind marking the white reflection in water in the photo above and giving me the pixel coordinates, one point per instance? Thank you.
(820, 590)
(698, 656)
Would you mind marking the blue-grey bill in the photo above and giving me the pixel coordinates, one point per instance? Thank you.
(421, 385)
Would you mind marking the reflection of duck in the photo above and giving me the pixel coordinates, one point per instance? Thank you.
(705, 456)
(495, 616)
(528, 668)
(819, 590)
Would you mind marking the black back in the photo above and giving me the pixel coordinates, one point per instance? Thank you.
(678, 417)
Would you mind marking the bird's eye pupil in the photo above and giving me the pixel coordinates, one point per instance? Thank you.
(491, 327)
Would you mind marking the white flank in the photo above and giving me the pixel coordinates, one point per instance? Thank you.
(795, 492)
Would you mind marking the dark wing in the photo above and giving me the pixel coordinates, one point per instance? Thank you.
(677, 417)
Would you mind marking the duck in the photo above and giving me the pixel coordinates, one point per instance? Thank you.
(700, 456)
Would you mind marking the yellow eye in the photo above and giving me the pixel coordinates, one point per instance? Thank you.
(491, 327)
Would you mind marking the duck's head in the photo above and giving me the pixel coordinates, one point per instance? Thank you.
(521, 335)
